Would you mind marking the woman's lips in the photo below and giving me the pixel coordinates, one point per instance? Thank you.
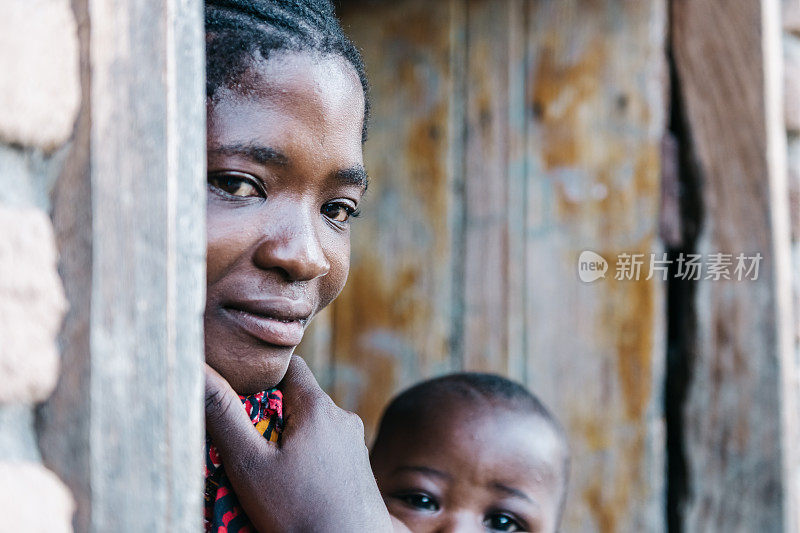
(276, 323)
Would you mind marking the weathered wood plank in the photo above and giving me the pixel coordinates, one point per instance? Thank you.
(393, 323)
(563, 159)
(186, 254)
(493, 210)
(791, 83)
(595, 118)
(148, 266)
(741, 415)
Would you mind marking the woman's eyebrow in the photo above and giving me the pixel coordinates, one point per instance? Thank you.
(355, 175)
(263, 155)
(259, 153)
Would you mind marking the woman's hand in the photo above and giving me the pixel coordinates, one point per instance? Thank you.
(318, 478)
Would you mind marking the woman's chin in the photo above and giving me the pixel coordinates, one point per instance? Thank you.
(250, 375)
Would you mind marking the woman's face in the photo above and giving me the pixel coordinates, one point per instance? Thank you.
(285, 174)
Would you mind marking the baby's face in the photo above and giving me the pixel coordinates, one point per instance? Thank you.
(469, 468)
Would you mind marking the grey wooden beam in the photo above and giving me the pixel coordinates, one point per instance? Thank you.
(741, 419)
(148, 154)
(133, 261)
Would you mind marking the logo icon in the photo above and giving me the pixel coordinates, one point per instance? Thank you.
(591, 266)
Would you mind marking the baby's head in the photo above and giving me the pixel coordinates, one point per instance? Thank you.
(471, 452)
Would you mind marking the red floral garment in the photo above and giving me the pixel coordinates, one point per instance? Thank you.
(223, 514)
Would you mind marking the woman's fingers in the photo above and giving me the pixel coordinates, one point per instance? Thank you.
(231, 430)
(246, 454)
(215, 383)
(221, 399)
(305, 404)
(300, 388)
(320, 473)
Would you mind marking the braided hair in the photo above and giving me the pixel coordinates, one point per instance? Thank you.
(239, 31)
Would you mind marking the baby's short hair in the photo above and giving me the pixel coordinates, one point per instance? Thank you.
(469, 387)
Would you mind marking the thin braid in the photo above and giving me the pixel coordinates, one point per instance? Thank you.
(239, 30)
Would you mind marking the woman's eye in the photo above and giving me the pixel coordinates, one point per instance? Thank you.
(235, 185)
(338, 212)
(419, 501)
(501, 522)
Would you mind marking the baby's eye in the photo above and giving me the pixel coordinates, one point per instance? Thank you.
(501, 522)
(338, 212)
(419, 501)
(235, 185)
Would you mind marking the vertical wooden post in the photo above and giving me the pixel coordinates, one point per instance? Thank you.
(148, 154)
(134, 339)
(741, 416)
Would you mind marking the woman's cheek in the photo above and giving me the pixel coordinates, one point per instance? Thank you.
(226, 240)
(340, 268)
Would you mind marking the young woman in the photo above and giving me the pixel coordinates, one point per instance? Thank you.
(287, 109)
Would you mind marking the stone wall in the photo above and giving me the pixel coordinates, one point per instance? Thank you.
(39, 100)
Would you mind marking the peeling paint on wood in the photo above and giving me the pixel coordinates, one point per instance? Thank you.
(494, 221)
(596, 101)
(508, 136)
(392, 324)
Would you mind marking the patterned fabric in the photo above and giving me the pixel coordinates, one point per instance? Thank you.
(223, 514)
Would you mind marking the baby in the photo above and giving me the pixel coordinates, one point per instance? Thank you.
(471, 452)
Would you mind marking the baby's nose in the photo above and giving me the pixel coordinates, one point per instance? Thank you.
(462, 521)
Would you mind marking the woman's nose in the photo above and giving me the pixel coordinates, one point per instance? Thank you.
(292, 246)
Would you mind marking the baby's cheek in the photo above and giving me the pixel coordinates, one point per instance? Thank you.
(416, 521)
(549, 494)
